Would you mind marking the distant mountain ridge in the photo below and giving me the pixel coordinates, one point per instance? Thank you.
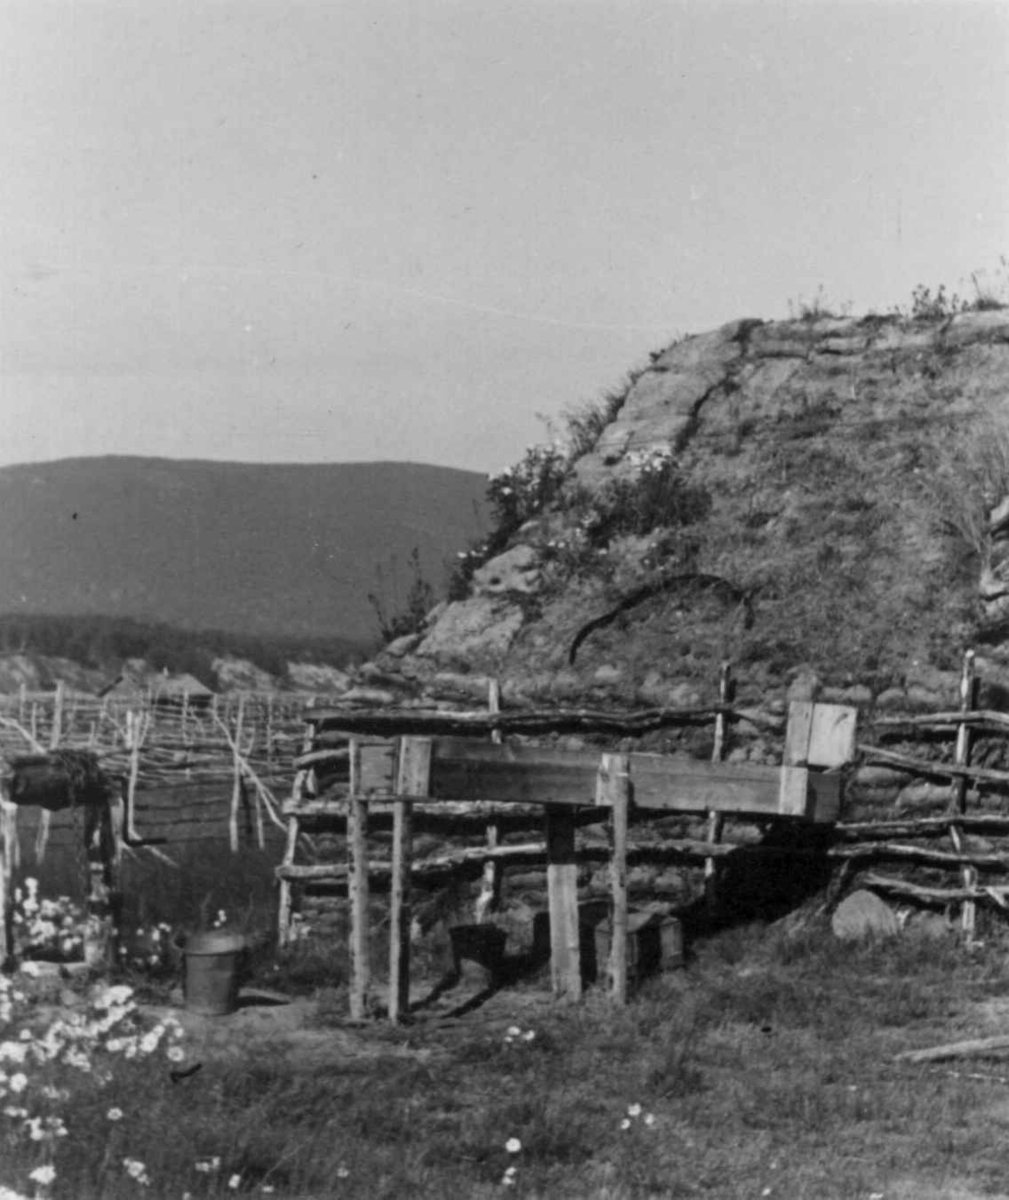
(268, 549)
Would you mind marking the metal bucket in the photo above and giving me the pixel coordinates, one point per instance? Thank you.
(212, 970)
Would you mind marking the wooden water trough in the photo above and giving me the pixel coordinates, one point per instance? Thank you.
(403, 771)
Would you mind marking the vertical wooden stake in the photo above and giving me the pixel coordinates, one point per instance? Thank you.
(101, 928)
(55, 734)
(5, 926)
(412, 778)
(958, 799)
(357, 887)
(136, 730)
(562, 899)
(236, 790)
(285, 904)
(716, 820)
(724, 688)
(962, 752)
(613, 788)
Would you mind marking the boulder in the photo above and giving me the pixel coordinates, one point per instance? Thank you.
(476, 629)
(862, 914)
(517, 570)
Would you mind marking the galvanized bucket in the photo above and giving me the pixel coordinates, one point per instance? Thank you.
(212, 972)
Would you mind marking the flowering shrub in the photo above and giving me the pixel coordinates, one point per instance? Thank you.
(149, 949)
(52, 930)
(515, 495)
(654, 496)
(525, 489)
(47, 1072)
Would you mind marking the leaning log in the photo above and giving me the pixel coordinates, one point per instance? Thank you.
(382, 722)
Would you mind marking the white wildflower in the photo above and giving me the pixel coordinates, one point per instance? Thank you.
(513, 1145)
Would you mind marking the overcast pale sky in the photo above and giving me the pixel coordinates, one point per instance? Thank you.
(297, 230)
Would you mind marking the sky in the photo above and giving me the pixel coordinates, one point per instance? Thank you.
(325, 231)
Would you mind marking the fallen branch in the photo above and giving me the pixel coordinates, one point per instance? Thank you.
(944, 770)
(973, 1048)
(922, 827)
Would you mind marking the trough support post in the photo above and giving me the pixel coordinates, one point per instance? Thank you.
(562, 898)
(489, 898)
(357, 887)
(613, 788)
(413, 777)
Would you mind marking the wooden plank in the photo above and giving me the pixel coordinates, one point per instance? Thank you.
(562, 901)
(377, 768)
(832, 735)
(614, 787)
(464, 770)
(357, 871)
(413, 772)
(792, 794)
(797, 734)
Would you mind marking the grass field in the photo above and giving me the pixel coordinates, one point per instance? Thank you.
(766, 1068)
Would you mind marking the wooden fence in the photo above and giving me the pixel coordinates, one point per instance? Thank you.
(188, 765)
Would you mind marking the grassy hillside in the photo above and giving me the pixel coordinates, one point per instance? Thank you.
(259, 549)
(821, 493)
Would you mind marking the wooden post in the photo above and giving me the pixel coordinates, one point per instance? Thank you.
(298, 788)
(55, 734)
(133, 732)
(716, 820)
(958, 799)
(562, 898)
(357, 888)
(101, 930)
(613, 788)
(413, 775)
(490, 883)
(236, 790)
(5, 928)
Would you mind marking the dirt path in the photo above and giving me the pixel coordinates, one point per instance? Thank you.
(268, 1023)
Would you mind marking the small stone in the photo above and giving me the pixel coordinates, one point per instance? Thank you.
(893, 699)
(607, 673)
